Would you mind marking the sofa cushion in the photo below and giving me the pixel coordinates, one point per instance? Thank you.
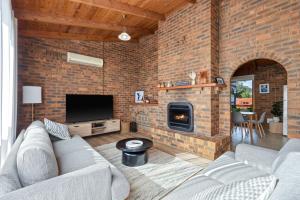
(33, 125)
(259, 188)
(288, 174)
(226, 170)
(193, 187)
(293, 145)
(7, 184)
(76, 153)
(76, 143)
(9, 178)
(79, 159)
(35, 159)
(259, 157)
(57, 129)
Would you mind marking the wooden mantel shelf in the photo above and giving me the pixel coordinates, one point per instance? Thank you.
(193, 86)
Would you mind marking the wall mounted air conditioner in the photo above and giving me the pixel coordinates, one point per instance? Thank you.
(84, 60)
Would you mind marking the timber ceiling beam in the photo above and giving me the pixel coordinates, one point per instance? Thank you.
(67, 36)
(191, 1)
(70, 21)
(123, 8)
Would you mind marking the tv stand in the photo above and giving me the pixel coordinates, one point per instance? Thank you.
(94, 127)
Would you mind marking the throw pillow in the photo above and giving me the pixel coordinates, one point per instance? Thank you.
(56, 129)
(8, 184)
(259, 188)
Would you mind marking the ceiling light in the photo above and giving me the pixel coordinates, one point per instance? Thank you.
(124, 36)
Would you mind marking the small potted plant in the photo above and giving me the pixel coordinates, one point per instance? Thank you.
(277, 110)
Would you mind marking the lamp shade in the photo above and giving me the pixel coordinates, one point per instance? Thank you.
(32, 94)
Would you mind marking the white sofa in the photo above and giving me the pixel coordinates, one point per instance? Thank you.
(246, 163)
(83, 174)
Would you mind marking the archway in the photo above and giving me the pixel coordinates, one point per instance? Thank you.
(258, 86)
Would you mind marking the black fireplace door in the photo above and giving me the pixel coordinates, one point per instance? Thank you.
(180, 116)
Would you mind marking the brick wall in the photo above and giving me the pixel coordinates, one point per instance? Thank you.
(42, 62)
(260, 29)
(187, 41)
(148, 72)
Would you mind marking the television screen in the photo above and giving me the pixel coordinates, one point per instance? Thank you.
(81, 108)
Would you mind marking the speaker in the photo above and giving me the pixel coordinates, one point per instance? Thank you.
(133, 127)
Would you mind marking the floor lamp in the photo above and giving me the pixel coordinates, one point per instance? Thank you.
(32, 95)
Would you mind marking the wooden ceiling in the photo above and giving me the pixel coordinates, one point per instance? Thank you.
(99, 20)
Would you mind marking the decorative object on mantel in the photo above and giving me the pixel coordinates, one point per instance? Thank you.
(193, 76)
(181, 83)
(161, 85)
(139, 96)
(203, 77)
(146, 99)
(32, 95)
(220, 80)
(212, 85)
(264, 88)
(169, 84)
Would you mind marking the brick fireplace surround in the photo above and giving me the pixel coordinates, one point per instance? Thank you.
(218, 36)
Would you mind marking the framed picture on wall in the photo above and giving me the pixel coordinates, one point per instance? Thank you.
(264, 88)
(220, 80)
(139, 96)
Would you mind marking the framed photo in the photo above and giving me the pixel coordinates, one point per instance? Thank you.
(139, 96)
(220, 80)
(264, 88)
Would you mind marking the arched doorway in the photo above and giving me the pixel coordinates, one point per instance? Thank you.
(259, 86)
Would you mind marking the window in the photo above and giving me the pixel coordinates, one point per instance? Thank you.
(242, 93)
(7, 78)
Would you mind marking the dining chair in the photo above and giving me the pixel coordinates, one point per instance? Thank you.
(239, 121)
(258, 124)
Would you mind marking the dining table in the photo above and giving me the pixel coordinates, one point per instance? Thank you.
(250, 116)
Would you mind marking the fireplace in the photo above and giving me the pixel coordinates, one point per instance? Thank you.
(180, 116)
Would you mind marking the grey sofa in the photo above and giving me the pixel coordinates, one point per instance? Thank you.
(83, 174)
(249, 162)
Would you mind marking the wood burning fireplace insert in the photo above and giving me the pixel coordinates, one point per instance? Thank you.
(180, 116)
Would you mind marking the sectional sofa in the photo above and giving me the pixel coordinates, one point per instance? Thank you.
(231, 173)
(38, 169)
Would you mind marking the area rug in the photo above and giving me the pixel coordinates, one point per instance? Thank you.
(162, 173)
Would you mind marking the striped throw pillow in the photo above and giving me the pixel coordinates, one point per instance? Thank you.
(259, 188)
(56, 129)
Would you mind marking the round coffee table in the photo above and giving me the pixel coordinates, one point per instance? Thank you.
(134, 156)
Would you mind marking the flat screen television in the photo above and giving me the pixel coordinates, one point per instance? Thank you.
(81, 108)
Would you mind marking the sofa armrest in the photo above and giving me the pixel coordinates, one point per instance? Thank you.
(90, 183)
(120, 187)
(259, 157)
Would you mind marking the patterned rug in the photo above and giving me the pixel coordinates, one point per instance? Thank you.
(162, 173)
